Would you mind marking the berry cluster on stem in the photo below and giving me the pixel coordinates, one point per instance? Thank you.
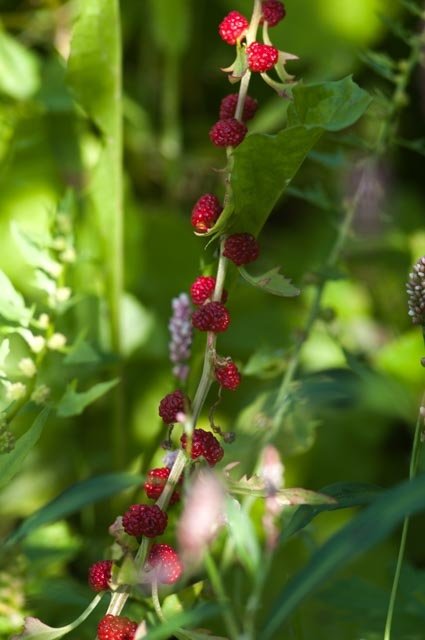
(159, 563)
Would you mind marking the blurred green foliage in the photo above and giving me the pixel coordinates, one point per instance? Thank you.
(360, 379)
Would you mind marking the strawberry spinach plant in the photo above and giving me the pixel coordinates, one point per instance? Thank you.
(207, 532)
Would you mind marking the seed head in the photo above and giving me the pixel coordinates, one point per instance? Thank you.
(416, 292)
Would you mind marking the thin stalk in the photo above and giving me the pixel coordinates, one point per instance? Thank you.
(156, 602)
(413, 469)
(222, 598)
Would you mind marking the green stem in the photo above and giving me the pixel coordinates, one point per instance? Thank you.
(413, 469)
(223, 600)
(156, 602)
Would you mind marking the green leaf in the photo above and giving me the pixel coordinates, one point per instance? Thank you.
(343, 496)
(19, 69)
(81, 352)
(73, 403)
(332, 106)
(74, 499)
(271, 282)
(11, 463)
(243, 535)
(257, 487)
(381, 63)
(33, 251)
(374, 524)
(12, 304)
(264, 165)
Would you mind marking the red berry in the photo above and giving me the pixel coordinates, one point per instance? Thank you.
(144, 520)
(171, 405)
(273, 12)
(116, 628)
(228, 376)
(241, 248)
(203, 288)
(155, 483)
(233, 27)
(205, 444)
(261, 57)
(227, 133)
(205, 212)
(212, 316)
(166, 563)
(100, 575)
(228, 107)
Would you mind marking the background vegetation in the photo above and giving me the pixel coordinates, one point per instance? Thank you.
(361, 379)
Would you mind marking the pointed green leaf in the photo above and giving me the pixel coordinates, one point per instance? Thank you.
(264, 165)
(257, 487)
(12, 304)
(332, 106)
(74, 499)
(271, 282)
(243, 536)
(343, 495)
(374, 524)
(19, 68)
(11, 463)
(73, 403)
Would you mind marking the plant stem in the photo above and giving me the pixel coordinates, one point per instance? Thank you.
(156, 602)
(414, 462)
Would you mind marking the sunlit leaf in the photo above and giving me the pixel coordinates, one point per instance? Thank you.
(19, 69)
(256, 486)
(12, 304)
(243, 535)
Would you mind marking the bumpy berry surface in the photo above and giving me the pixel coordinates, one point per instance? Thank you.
(206, 212)
(212, 316)
(116, 628)
(228, 376)
(203, 288)
(155, 483)
(227, 133)
(144, 520)
(273, 12)
(100, 575)
(166, 563)
(205, 444)
(241, 248)
(229, 103)
(261, 57)
(233, 27)
(171, 405)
